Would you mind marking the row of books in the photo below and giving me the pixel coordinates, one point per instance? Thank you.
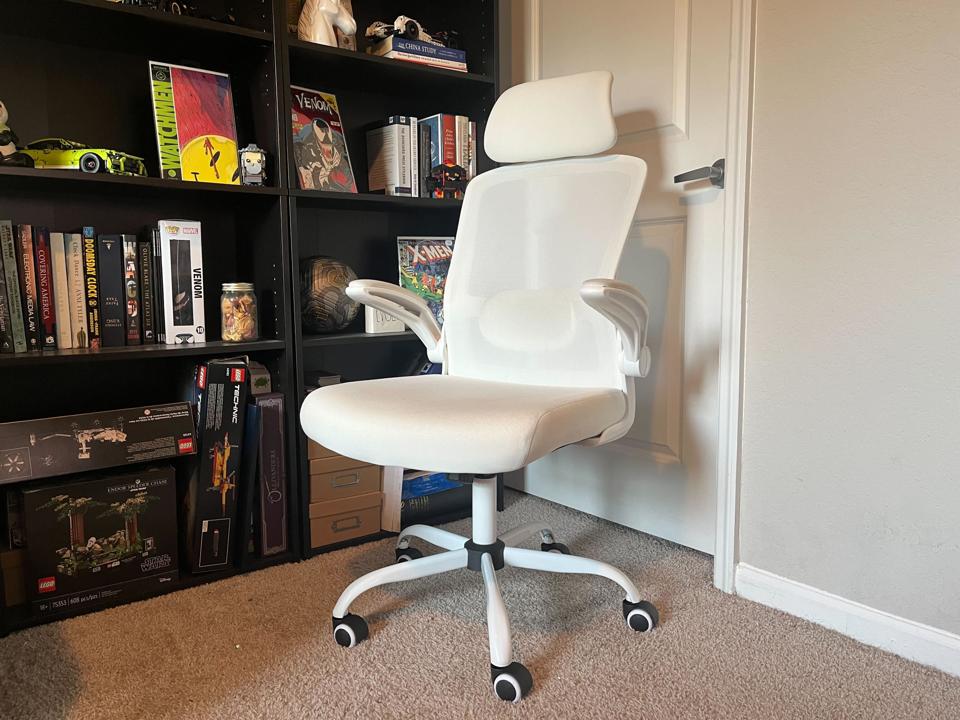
(421, 53)
(87, 290)
(428, 157)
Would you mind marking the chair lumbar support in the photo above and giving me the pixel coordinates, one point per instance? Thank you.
(486, 553)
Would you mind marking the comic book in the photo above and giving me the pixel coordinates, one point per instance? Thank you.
(195, 124)
(424, 264)
(319, 145)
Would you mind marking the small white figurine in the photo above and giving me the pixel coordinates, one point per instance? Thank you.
(318, 19)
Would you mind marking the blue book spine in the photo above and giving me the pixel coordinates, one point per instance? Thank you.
(428, 50)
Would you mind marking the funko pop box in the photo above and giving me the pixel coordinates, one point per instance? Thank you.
(70, 444)
(93, 541)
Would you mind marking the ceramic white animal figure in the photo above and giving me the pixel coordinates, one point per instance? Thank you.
(318, 19)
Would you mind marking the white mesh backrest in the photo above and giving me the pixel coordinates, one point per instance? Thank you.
(529, 235)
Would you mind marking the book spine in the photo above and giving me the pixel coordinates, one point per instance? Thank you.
(91, 284)
(418, 48)
(414, 158)
(448, 139)
(147, 290)
(273, 475)
(46, 310)
(131, 286)
(6, 331)
(8, 251)
(158, 282)
(110, 272)
(403, 160)
(61, 290)
(462, 138)
(77, 290)
(421, 509)
(430, 61)
(472, 151)
(425, 168)
(165, 121)
(28, 285)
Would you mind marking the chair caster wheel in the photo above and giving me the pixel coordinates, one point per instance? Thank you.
(511, 683)
(555, 547)
(407, 554)
(641, 616)
(350, 630)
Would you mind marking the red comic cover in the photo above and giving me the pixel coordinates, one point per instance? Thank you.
(319, 145)
(195, 124)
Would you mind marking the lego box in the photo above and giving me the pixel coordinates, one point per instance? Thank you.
(101, 540)
(211, 494)
(31, 449)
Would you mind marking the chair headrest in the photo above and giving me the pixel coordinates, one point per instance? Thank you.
(562, 117)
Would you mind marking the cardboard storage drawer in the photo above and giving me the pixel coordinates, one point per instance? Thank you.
(345, 483)
(334, 521)
(316, 450)
(335, 463)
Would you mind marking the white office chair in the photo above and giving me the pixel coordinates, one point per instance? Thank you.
(531, 356)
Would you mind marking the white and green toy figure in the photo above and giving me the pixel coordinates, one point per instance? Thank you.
(9, 155)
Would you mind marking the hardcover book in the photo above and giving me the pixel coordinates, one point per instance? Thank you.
(91, 285)
(61, 289)
(195, 124)
(6, 331)
(131, 286)
(147, 291)
(77, 289)
(424, 264)
(46, 310)
(181, 257)
(319, 143)
(113, 316)
(11, 273)
(443, 139)
(388, 159)
(28, 285)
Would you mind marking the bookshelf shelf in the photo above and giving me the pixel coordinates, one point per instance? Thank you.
(65, 180)
(369, 201)
(138, 352)
(351, 338)
(382, 75)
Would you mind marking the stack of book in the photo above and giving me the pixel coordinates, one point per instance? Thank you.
(87, 290)
(408, 156)
(420, 52)
(427, 496)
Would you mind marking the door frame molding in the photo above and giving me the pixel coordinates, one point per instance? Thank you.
(730, 371)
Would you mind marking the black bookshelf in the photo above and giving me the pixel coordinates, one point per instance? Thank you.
(78, 69)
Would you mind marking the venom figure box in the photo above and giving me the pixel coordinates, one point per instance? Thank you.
(48, 447)
(94, 541)
(220, 389)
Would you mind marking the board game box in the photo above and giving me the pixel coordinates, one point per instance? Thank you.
(424, 263)
(195, 124)
(68, 444)
(319, 144)
(94, 541)
(210, 502)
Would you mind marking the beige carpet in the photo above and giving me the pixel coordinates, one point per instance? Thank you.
(260, 646)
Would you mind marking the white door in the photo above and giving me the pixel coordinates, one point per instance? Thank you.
(670, 60)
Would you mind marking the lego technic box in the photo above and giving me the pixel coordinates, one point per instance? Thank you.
(210, 500)
(97, 541)
(48, 447)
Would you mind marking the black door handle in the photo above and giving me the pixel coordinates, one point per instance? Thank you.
(713, 173)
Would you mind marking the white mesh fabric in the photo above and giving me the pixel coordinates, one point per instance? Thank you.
(529, 235)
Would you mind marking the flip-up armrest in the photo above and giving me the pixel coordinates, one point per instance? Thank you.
(624, 306)
(406, 306)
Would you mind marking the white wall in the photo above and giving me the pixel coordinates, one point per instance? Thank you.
(851, 409)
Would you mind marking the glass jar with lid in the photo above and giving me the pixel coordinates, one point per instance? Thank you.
(238, 313)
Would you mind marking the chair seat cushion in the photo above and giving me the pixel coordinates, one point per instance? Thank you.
(454, 424)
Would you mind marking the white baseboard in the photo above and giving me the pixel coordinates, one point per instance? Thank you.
(912, 640)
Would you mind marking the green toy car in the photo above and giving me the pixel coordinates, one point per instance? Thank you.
(61, 154)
